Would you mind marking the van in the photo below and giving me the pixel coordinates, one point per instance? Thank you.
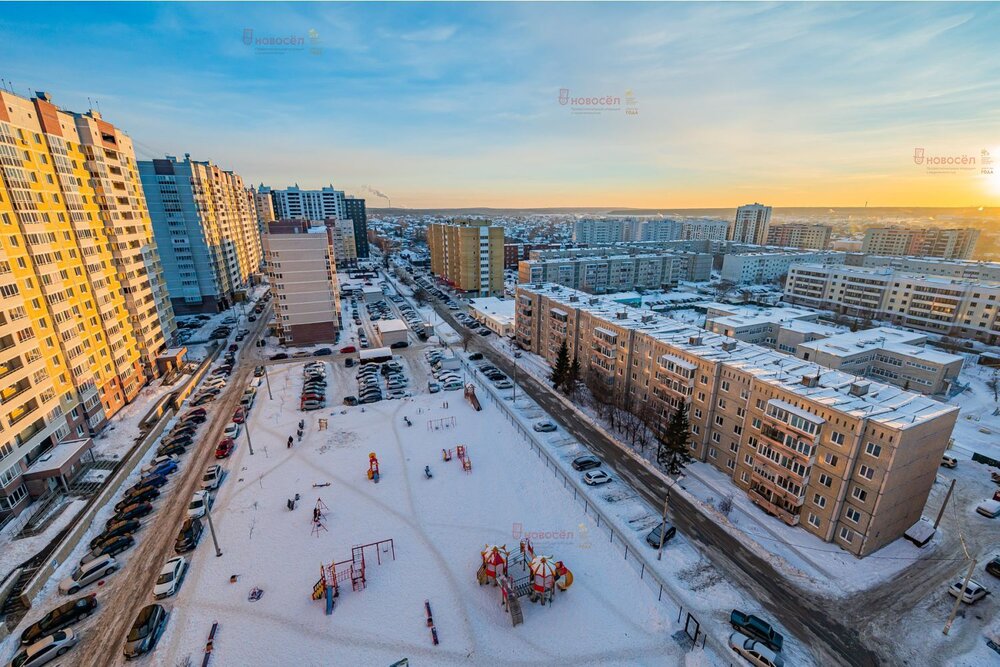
(948, 461)
(87, 573)
(989, 508)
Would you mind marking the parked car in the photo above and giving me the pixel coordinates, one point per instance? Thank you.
(87, 573)
(171, 576)
(134, 511)
(475, 356)
(171, 450)
(503, 384)
(225, 448)
(189, 535)
(114, 530)
(756, 628)
(145, 631)
(347, 349)
(544, 426)
(157, 462)
(755, 652)
(313, 405)
(323, 352)
(989, 508)
(948, 461)
(194, 419)
(145, 494)
(278, 356)
(154, 479)
(596, 478)
(212, 477)
(233, 430)
(993, 567)
(61, 617)
(451, 386)
(350, 400)
(974, 591)
(112, 547)
(46, 649)
(200, 503)
(239, 415)
(433, 387)
(258, 372)
(586, 462)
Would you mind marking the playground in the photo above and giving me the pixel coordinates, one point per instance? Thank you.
(392, 521)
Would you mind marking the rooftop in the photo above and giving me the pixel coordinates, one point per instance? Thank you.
(890, 272)
(882, 403)
(501, 310)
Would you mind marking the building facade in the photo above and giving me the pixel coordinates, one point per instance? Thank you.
(302, 269)
(800, 235)
(769, 265)
(80, 292)
(344, 246)
(926, 242)
(704, 230)
(354, 209)
(604, 273)
(929, 266)
(946, 306)
(468, 254)
(294, 203)
(849, 460)
(206, 227)
(617, 230)
(751, 224)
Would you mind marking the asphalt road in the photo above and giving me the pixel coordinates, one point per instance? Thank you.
(808, 614)
(132, 586)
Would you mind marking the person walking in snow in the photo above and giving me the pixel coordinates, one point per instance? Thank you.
(289, 442)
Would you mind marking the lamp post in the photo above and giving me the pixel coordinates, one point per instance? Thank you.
(211, 529)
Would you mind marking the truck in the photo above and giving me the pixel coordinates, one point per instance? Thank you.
(756, 628)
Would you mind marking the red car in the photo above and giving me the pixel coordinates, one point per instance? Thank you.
(225, 448)
(348, 349)
(240, 415)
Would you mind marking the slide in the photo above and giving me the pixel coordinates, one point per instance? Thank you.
(566, 580)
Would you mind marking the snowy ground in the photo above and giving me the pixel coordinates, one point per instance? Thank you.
(13, 552)
(438, 526)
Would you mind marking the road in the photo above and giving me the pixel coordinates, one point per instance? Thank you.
(809, 614)
(132, 586)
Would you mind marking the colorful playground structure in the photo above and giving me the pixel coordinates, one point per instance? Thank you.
(470, 395)
(333, 575)
(463, 456)
(373, 467)
(540, 576)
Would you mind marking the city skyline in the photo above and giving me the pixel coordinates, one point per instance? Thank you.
(486, 105)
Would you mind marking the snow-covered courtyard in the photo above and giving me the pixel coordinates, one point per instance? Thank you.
(438, 527)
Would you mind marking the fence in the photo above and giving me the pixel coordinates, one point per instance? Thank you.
(635, 557)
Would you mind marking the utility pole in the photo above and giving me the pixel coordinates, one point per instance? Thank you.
(663, 526)
(267, 381)
(246, 424)
(947, 497)
(958, 600)
(211, 529)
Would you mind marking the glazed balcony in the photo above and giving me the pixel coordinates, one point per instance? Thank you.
(774, 510)
(777, 492)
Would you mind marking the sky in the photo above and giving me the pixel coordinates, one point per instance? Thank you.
(453, 105)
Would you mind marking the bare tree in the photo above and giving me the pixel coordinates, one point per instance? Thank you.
(726, 505)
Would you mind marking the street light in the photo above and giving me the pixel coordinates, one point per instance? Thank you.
(211, 529)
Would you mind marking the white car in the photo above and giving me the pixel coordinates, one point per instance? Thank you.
(46, 649)
(210, 480)
(755, 652)
(974, 592)
(596, 478)
(200, 502)
(170, 577)
(233, 430)
(544, 426)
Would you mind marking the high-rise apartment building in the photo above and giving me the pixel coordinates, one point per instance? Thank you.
(751, 224)
(205, 222)
(354, 209)
(849, 460)
(922, 242)
(344, 246)
(263, 204)
(81, 296)
(302, 269)
(708, 230)
(615, 230)
(468, 254)
(293, 203)
(800, 235)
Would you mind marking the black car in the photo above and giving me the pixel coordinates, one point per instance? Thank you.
(194, 419)
(184, 439)
(350, 400)
(323, 352)
(258, 372)
(154, 479)
(170, 450)
(349, 362)
(116, 529)
(653, 537)
(587, 462)
(279, 356)
(113, 547)
(146, 631)
(134, 511)
(189, 535)
(145, 494)
(475, 356)
(182, 430)
(993, 567)
(61, 617)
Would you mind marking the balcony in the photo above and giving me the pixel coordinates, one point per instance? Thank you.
(776, 438)
(777, 491)
(762, 501)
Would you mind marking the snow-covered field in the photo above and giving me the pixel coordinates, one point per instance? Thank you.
(438, 527)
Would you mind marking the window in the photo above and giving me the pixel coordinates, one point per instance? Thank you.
(838, 438)
(866, 472)
(826, 480)
(814, 520)
(847, 534)
(744, 477)
(831, 459)
(819, 500)
(860, 494)
(711, 452)
(718, 420)
(873, 450)
(716, 437)
(853, 515)
(725, 385)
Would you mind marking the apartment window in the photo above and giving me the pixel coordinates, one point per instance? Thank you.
(716, 437)
(711, 452)
(831, 459)
(755, 422)
(853, 515)
(866, 472)
(847, 534)
(838, 438)
(814, 520)
(731, 464)
(748, 459)
(819, 500)
(725, 385)
(826, 480)
(718, 420)
(873, 450)
(697, 413)
(695, 429)
(860, 494)
(744, 477)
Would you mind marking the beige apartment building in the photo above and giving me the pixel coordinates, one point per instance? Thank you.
(945, 306)
(344, 244)
(849, 460)
(929, 242)
(614, 272)
(800, 235)
(79, 282)
(302, 269)
(468, 255)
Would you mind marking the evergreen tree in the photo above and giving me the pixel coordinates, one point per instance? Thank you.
(561, 369)
(673, 452)
(572, 379)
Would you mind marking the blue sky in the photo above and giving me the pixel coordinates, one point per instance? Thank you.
(457, 104)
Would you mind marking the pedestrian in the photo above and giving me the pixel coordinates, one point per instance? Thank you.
(289, 442)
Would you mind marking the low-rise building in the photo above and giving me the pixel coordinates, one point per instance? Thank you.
(497, 315)
(847, 459)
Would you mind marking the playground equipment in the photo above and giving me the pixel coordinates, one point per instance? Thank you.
(540, 576)
(470, 395)
(440, 424)
(446, 454)
(333, 575)
(463, 456)
(494, 563)
(318, 516)
(373, 467)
